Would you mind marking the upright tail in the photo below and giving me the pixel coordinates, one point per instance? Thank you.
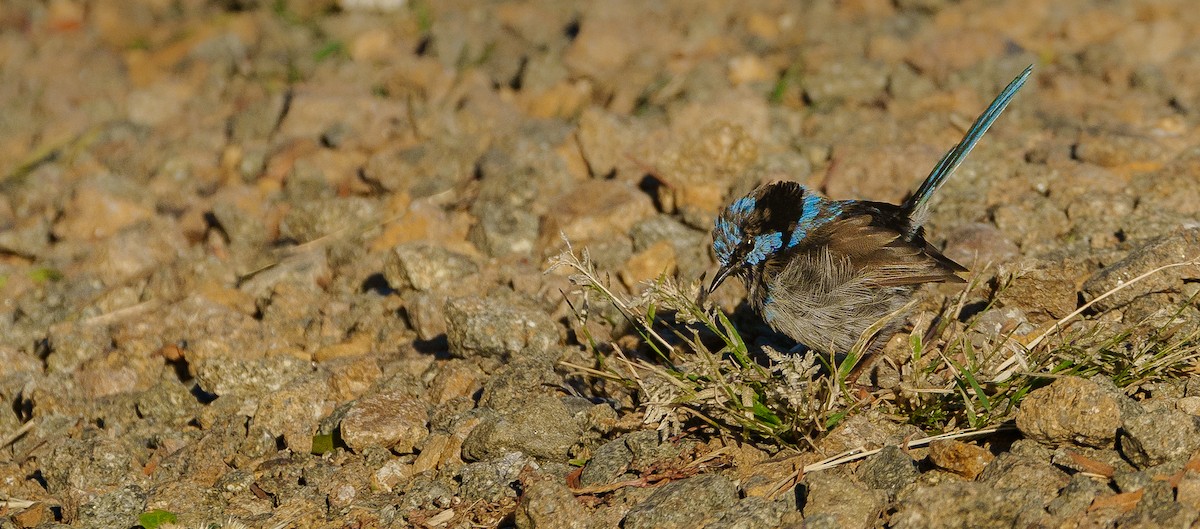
(917, 205)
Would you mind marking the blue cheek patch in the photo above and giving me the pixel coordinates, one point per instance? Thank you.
(725, 239)
(763, 246)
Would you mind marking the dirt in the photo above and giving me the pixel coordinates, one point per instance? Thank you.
(281, 264)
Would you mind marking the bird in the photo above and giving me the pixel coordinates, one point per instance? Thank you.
(825, 272)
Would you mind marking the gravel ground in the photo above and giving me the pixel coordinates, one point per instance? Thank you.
(281, 263)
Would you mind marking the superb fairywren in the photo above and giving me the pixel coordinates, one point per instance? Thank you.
(825, 271)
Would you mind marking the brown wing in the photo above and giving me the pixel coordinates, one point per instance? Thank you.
(890, 259)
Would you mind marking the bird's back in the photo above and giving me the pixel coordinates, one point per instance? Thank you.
(847, 275)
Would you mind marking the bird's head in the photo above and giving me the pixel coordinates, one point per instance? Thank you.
(757, 227)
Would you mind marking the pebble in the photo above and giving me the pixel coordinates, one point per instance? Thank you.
(966, 460)
(546, 503)
(99, 209)
(247, 377)
(967, 504)
(650, 264)
(889, 470)
(1158, 436)
(686, 503)
(396, 421)
(497, 329)
(845, 82)
(1045, 289)
(541, 427)
(494, 480)
(1037, 477)
(842, 500)
(1177, 247)
(427, 267)
(1070, 410)
(294, 411)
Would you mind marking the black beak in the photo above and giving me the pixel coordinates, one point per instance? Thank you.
(722, 273)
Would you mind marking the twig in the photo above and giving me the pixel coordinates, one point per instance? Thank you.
(862, 453)
(17, 434)
(10, 503)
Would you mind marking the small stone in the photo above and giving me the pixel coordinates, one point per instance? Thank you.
(1074, 499)
(294, 411)
(1158, 508)
(493, 328)
(649, 449)
(425, 314)
(167, 402)
(357, 346)
(1112, 150)
(751, 513)
(492, 481)
(74, 342)
(426, 169)
(506, 231)
(391, 420)
(373, 45)
(392, 474)
(1169, 190)
(601, 209)
(845, 500)
(966, 460)
(95, 466)
(606, 140)
(1159, 436)
(1189, 405)
(966, 504)
(841, 82)
(686, 503)
(749, 69)
(698, 176)
(351, 377)
(1032, 221)
(542, 428)
(510, 386)
(607, 464)
(656, 261)
(1177, 247)
(310, 220)
(33, 516)
(1070, 410)
(1012, 471)
(426, 267)
(1188, 491)
(455, 379)
(890, 470)
(548, 503)
(441, 450)
(1044, 289)
(428, 491)
(99, 209)
(117, 508)
(249, 377)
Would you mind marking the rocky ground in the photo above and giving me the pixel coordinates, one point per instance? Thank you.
(281, 264)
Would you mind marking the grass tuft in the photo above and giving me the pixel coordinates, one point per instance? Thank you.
(691, 365)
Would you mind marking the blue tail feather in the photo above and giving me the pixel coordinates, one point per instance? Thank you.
(915, 205)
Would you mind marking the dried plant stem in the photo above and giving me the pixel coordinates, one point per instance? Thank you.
(862, 453)
(1005, 370)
